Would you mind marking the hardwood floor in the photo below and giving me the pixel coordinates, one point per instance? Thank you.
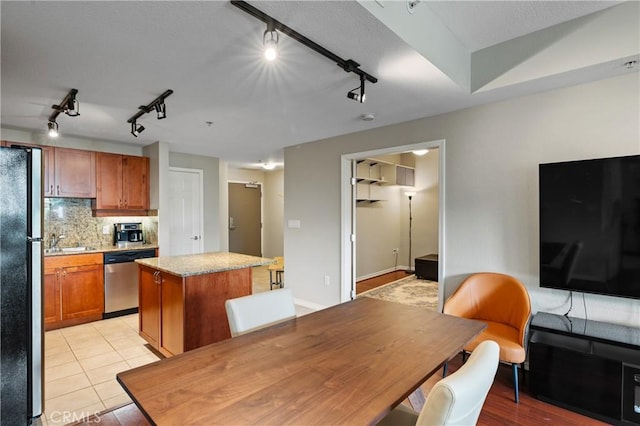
(371, 283)
(500, 409)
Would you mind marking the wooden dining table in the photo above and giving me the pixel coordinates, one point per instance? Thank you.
(347, 364)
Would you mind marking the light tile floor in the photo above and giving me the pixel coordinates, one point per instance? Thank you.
(81, 363)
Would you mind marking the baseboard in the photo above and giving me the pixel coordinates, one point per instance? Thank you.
(308, 305)
(384, 271)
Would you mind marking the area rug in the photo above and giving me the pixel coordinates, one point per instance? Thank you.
(409, 291)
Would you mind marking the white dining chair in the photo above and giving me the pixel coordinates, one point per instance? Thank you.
(458, 398)
(249, 313)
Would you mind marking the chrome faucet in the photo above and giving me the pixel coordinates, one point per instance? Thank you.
(55, 240)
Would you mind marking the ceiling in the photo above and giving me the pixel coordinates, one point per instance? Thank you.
(230, 103)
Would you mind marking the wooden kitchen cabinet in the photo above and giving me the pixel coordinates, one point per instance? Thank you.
(73, 289)
(74, 173)
(161, 310)
(177, 314)
(52, 312)
(122, 184)
(68, 173)
(149, 303)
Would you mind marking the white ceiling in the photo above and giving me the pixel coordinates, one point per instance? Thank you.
(120, 55)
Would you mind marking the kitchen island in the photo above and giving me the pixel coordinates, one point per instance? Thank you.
(182, 297)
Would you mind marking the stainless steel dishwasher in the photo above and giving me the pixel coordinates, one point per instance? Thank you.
(121, 281)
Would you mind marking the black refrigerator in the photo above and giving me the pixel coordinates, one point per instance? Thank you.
(21, 311)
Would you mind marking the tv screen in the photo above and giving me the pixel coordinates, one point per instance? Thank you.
(590, 226)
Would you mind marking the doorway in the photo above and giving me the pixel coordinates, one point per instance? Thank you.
(186, 215)
(350, 211)
(245, 218)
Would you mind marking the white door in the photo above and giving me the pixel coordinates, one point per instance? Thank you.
(185, 194)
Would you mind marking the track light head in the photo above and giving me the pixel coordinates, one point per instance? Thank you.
(270, 40)
(161, 110)
(136, 128)
(358, 97)
(53, 129)
(354, 96)
(72, 108)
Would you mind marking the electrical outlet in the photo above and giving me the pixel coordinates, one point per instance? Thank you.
(327, 280)
(106, 230)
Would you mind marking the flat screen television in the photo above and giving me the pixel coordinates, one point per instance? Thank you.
(590, 226)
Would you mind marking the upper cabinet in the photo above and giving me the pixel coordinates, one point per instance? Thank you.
(122, 185)
(68, 173)
(372, 173)
(74, 173)
(396, 174)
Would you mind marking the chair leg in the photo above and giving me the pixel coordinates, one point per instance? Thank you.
(515, 381)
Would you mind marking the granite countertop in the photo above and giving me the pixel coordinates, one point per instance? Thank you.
(205, 263)
(67, 251)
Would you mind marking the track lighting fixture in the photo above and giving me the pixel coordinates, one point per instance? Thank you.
(270, 40)
(358, 97)
(72, 108)
(157, 104)
(161, 110)
(69, 106)
(53, 129)
(270, 37)
(136, 128)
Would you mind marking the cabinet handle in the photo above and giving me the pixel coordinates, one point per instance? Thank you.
(58, 187)
(51, 190)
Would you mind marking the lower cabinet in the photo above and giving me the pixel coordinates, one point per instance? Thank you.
(586, 366)
(73, 289)
(178, 314)
(161, 310)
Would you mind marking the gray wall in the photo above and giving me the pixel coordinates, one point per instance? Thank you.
(491, 190)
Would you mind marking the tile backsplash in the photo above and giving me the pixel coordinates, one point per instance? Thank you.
(72, 217)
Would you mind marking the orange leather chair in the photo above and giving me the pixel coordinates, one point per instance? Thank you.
(502, 302)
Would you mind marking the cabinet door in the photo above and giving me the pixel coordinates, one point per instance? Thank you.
(135, 182)
(149, 305)
(75, 173)
(172, 339)
(82, 289)
(52, 313)
(410, 179)
(108, 181)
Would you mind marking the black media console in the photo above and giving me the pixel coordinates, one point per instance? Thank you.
(586, 366)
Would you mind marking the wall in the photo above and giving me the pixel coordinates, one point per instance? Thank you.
(424, 208)
(491, 216)
(274, 214)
